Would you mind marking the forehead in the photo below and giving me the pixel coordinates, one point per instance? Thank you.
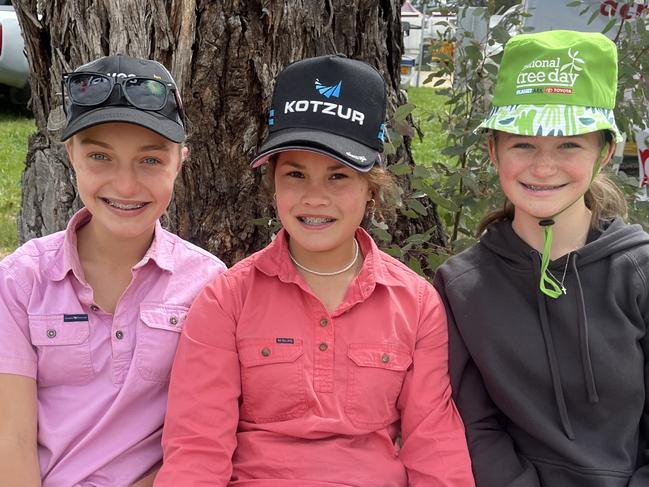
(591, 137)
(307, 159)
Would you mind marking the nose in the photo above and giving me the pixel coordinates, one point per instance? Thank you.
(315, 194)
(125, 181)
(545, 164)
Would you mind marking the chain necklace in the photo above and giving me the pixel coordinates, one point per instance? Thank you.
(334, 273)
(563, 278)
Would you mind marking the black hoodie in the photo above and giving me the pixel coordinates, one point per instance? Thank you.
(553, 392)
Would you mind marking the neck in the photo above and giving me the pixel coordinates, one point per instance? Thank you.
(96, 245)
(342, 259)
(570, 230)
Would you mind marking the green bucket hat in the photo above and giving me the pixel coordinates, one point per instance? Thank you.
(557, 82)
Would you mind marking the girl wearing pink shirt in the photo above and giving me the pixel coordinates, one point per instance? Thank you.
(320, 360)
(91, 316)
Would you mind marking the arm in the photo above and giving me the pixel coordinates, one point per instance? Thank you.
(434, 448)
(18, 420)
(493, 455)
(199, 435)
(640, 477)
(18, 390)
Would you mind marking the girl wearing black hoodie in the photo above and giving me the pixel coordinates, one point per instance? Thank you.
(548, 313)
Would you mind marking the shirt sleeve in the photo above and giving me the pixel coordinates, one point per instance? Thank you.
(434, 448)
(495, 461)
(199, 435)
(17, 356)
(640, 477)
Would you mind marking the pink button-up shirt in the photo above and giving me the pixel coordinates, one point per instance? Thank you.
(269, 389)
(102, 378)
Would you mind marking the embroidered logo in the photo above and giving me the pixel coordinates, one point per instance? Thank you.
(550, 75)
(284, 340)
(72, 318)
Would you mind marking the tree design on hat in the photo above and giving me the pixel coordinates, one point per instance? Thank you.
(574, 62)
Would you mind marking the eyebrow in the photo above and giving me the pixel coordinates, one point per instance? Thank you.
(148, 147)
(334, 167)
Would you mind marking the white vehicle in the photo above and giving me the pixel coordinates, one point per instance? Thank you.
(14, 69)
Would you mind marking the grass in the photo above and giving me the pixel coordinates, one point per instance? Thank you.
(429, 104)
(14, 132)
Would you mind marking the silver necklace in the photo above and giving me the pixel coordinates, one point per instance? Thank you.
(563, 278)
(334, 273)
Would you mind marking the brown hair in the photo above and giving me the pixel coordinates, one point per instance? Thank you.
(604, 199)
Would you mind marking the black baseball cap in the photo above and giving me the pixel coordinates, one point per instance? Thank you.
(328, 104)
(167, 121)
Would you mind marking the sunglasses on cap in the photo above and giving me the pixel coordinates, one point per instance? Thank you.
(90, 89)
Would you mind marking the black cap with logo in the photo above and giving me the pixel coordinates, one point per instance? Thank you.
(328, 104)
(147, 96)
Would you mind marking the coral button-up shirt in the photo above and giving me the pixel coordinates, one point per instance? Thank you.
(269, 389)
(102, 378)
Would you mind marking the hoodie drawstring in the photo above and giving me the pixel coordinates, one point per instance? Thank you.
(554, 363)
(586, 363)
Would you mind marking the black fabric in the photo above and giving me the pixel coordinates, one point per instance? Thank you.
(328, 102)
(167, 122)
(553, 392)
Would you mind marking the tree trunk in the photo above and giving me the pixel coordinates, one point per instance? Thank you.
(224, 56)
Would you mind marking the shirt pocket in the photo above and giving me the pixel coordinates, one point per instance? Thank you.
(272, 380)
(157, 339)
(63, 349)
(375, 376)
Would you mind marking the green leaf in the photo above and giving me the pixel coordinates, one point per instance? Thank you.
(611, 23)
(593, 16)
(417, 206)
(415, 266)
(381, 234)
(400, 169)
(418, 238)
(443, 202)
(402, 112)
(573, 4)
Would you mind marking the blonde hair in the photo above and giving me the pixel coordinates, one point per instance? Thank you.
(604, 199)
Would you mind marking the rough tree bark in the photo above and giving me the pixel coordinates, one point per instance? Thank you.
(224, 56)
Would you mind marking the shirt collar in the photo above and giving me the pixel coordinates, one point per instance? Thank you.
(273, 260)
(66, 258)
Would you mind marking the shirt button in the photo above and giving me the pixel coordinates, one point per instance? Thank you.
(265, 351)
(323, 347)
(173, 321)
(119, 334)
(94, 307)
(323, 322)
(385, 358)
(51, 333)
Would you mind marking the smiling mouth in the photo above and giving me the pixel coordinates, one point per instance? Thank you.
(535, 187)
(124, 206)
(313, 220)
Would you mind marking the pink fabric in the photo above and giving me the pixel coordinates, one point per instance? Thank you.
(270, 389)
(101, 399)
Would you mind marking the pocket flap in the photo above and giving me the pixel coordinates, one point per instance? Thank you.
(168, 317)
(52, 330)
(268, 351)
(384, 356)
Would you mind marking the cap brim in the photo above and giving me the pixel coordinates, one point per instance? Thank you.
(122, 114)
(544, 120)
(349, 152)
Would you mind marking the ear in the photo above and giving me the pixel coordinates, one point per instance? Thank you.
(68, 150)
(184, 154)
(491, 147)
(610, 150)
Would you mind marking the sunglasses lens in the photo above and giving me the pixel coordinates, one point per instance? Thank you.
(89, 89)
(147, 94)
